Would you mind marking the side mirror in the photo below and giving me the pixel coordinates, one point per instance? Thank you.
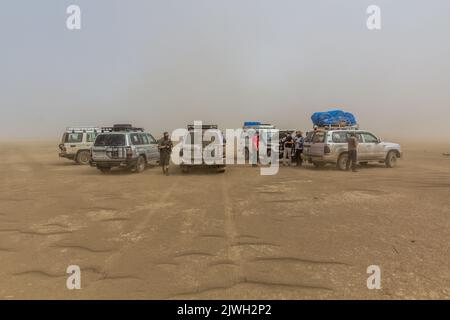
(379, 140)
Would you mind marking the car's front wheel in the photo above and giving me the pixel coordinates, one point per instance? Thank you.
(391, 159)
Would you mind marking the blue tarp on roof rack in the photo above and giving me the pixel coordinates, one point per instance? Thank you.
(251, 123)
(333, 118)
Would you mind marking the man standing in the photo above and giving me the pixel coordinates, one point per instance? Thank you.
(288, 144)
(165, 149)
(299, 147)
(255, 141)
(352, 151)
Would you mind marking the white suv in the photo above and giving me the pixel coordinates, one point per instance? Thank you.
(330, 146)
(76, 143)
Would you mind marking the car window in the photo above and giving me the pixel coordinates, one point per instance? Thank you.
(369, 138)
(309, 136)
(144, 138)
(74, 137)
(135, 139)
(359, 137)
(90, 136)
(110, 140)
(319, 137)
(150, 138)
(190, 137)
(340, 137)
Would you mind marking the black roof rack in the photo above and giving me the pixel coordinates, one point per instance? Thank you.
(122, 128)
(337, 127)
(203, 127)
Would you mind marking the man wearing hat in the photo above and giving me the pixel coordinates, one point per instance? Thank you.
(165, 149)
(352, 142)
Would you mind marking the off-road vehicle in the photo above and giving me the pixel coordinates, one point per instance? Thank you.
(76, 143)
(324, 146)
(124, 147)
(192, 152)
(249, 129)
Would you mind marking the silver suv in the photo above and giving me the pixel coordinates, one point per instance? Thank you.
(330, 146)
(124, 147)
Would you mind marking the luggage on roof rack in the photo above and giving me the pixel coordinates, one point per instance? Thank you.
(336, 118)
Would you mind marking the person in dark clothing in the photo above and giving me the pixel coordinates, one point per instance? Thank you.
(299, 140)
(288, 143)
(165, 149)
(352, 152)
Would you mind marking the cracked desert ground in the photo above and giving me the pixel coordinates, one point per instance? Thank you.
(301, 234)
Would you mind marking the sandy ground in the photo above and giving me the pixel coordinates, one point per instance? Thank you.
(302, 234)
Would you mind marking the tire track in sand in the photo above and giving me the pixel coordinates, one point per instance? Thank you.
(234, 253)
(138, 230)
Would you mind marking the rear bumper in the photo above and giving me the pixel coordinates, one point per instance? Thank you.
(201, 163)
(123, 163)
(67, 155)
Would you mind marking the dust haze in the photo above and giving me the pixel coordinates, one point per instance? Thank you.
(162, 64)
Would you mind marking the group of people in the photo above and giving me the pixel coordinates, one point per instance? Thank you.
(293, 148)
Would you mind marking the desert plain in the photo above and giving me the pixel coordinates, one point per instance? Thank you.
(304, 233)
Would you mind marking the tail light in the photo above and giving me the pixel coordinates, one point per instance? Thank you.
(129, 152)
(327, 149)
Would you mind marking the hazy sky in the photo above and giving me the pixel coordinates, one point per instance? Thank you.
(163, 63)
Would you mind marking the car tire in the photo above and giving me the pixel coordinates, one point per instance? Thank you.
(140, 165)
(185, 169)
(391, 159)
(220, 169)
(105, 169)
(342, 162)
(246, 154)
(83, 157)
(318, 164)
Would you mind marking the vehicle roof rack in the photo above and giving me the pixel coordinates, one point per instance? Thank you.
(257, 125)
(122, 128)
(338, 127)
(203, 127)
(82, 129)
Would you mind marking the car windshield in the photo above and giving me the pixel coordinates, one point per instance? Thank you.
(213, 136)
(110, 140)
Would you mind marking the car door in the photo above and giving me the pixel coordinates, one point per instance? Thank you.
(369, 148)
(73, 142)
(316, 148)
(152, 147)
